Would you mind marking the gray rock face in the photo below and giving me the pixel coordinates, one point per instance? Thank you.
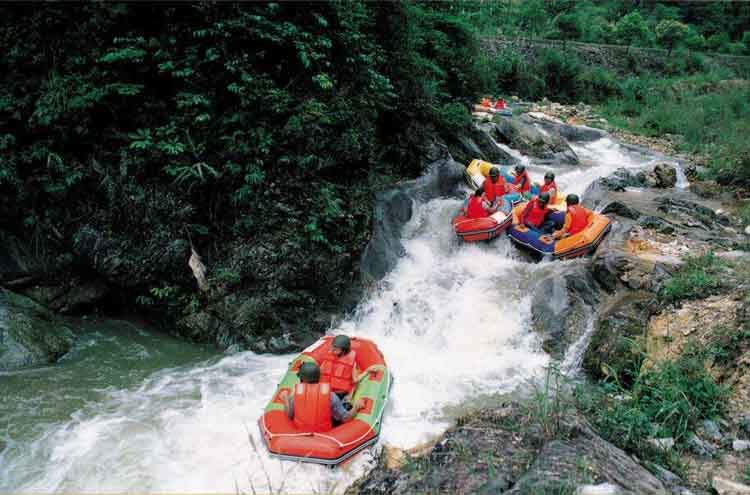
(29, 334)
(621, 209)
(562, 306)
(524, 135)
(573, 133)
(394, 209)
(69, 299)
(559, 467)
(479, 144)
(610, 353)
(666, 175)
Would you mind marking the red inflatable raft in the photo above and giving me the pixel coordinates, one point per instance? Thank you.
(481, 229)
(284, 440)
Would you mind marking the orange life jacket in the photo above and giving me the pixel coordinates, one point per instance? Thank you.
(578, 219)
(338, 371)
(474, 210)
(535, 214)
(522, 182)
(546, 188)
(312, 407)
(494, 190)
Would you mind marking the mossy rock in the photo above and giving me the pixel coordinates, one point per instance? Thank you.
(29, 334)
(613, 349)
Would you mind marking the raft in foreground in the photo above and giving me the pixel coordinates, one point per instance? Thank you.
(579, 244)
(332, 447)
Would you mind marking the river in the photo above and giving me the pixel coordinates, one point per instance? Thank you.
(133, 410)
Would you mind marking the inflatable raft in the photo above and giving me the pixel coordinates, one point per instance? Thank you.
(497, 107)
(478, 170)
(579, 244)
(343, 441)
(481, 229)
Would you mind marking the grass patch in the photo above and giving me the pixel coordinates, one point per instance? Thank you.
(698, 278)
(668, 401)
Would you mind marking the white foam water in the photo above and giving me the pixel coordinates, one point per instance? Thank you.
(452, 320)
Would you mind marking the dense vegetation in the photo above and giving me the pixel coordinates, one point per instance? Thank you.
(146, 129)
(703, 26)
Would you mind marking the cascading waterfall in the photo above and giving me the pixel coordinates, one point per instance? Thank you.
(451, 319)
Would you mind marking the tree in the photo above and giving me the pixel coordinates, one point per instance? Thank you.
(671, 33)
(568, 26)
(632, 30)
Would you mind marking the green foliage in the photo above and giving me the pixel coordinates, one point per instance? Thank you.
(632, 30)
(670, 33)
(667, 401)
(698, 278)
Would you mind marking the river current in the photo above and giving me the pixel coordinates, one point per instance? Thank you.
(132, 410)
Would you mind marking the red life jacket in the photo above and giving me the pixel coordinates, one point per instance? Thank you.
(535, 214)
(474, 210)
(494, 190)
(578, 219)
(522, 182)
(546, 188)
(338, 371)
(312, 407)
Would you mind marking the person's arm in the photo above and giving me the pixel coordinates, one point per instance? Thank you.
(566, 226)
(589, 217)
(522, 217)
(288, 403)
(339, 412)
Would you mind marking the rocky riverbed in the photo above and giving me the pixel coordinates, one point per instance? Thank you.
(618, 303)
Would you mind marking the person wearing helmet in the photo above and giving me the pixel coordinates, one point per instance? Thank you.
(577, 218)
(494, 190)
(477, 206)
(521, 181)
(549, 187)
(313, 408)
(535, 213)
(339, 367)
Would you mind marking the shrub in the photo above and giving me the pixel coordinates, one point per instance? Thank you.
(700, 277)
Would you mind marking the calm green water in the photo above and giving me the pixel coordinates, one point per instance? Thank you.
(108, 355)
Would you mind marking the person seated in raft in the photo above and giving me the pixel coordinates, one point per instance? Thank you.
(534, 215)
(339, 368)
(521, 181)
(549, 187)
(577, 218)
(312, 407)
(476, 206)
(494, 191)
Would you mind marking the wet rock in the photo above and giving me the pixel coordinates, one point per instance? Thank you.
(479, 143)
(562, 307)
(69, 298)
(666, 175)
(691, 214)
(657, 224)
(706, 189)
(740, 445)
(729, 487)
(620, 179)
(700, 447)
(573, 133)
(621, 209)
(394, 208)
(29, 334)
(526, 137)
(710, 429)
(560, 463)
(611, 352)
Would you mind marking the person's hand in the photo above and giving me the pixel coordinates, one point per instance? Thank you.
(283, 394)
(557, 234)
(359, 405)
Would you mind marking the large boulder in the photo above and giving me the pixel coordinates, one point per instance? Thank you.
(525, 136)
(666, 175)
(479, 142)
(563, 305)
(29, 334)
(70, 296)
(613, 349)
(573, 133)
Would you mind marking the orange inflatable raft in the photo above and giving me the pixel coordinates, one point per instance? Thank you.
(481, 229)
(332, 447)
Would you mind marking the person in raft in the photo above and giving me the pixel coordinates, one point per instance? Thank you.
(549, 186)
(313, 408)
(521, 181)
(534, 215)
(577, 218)
(339, 368)
(494, 191)
(476, 206)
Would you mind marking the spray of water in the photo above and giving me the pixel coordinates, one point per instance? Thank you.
(452, 321)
